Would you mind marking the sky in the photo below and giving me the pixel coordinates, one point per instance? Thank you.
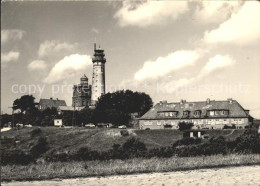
(171, 50)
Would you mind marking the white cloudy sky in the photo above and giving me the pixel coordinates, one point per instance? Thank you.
(171, 50)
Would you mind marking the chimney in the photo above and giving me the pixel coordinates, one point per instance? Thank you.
(183, 101)
(50, 98)
(164, 101)
(208, 101)
(230, 100)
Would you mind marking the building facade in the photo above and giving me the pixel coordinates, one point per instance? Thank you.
(49, 103)
(82, 93)
(204, 115)
(98, 79)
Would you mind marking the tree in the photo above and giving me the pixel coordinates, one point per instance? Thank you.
(85, 116)
(125, 102)
(185, 125)
(24, 103)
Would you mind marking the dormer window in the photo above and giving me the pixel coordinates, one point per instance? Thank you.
(185, 113)
(197, 113)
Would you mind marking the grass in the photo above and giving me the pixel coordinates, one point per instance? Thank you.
(48, 170)
(72, 139)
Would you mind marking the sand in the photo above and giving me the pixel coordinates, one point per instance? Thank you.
(245, 175)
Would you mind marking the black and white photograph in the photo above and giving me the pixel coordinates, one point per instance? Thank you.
(138, 93)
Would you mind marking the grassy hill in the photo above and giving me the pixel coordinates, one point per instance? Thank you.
(72, 139)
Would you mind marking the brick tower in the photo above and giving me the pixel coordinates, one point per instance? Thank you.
(81, 93)
(98, 79)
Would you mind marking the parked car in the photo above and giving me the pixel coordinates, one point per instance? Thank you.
(102, 125)
(19, 125)
(122, 127)
(29, 125)
(90, 125)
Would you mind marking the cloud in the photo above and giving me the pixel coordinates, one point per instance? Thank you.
(68, 67)
(149, 13)
(53, 46)
(10, 56)
(94, 30)
(215, 63)
(242, 28)
(164, 65)
(215, 11)
(37, 65)
(11, 35)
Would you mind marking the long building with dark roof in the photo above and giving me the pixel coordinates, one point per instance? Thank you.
(49, 103)
(209, 114)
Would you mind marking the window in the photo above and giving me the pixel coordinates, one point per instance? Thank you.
(197, 113)
(171, 114)
(185, 113)
(166, 114)
(211, 113)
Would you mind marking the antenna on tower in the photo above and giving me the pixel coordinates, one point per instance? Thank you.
(94, 46)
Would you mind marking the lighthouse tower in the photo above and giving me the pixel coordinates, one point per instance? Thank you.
(98, 78)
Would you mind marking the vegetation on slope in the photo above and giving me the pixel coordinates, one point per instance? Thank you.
(49, 170)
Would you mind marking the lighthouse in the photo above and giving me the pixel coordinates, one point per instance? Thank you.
(98, 78)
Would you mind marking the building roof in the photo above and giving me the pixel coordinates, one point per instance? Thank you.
(69, 108)
(44, 103)
(232, 106)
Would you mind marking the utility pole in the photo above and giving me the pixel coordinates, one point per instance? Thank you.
(73, 115)
(12, 115)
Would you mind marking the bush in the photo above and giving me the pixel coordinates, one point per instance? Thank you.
(124, 132)
(133, 148)
(15, 157)
(86, 154)
(40, 147)
(249, 142)
(54, 156)
(229, 127)
(167, 126)
(187, 147)
(187, 141)
(35, 132)
(185, 125)
(162, 152)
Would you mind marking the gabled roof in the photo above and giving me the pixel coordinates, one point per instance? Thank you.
(232, 106)
(52, 103)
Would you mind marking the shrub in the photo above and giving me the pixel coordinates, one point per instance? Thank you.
(249, 142)
(167, 126)
(54, 156)
(124, 132)
(187, 141)
(133, 148)
(40, 147)
(163, 152)
(229, 127)
(185, 125)
(196, 148)
(15, 157)
(35, 132)
(85, 154)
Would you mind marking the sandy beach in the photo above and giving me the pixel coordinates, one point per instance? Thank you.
(245, 175)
